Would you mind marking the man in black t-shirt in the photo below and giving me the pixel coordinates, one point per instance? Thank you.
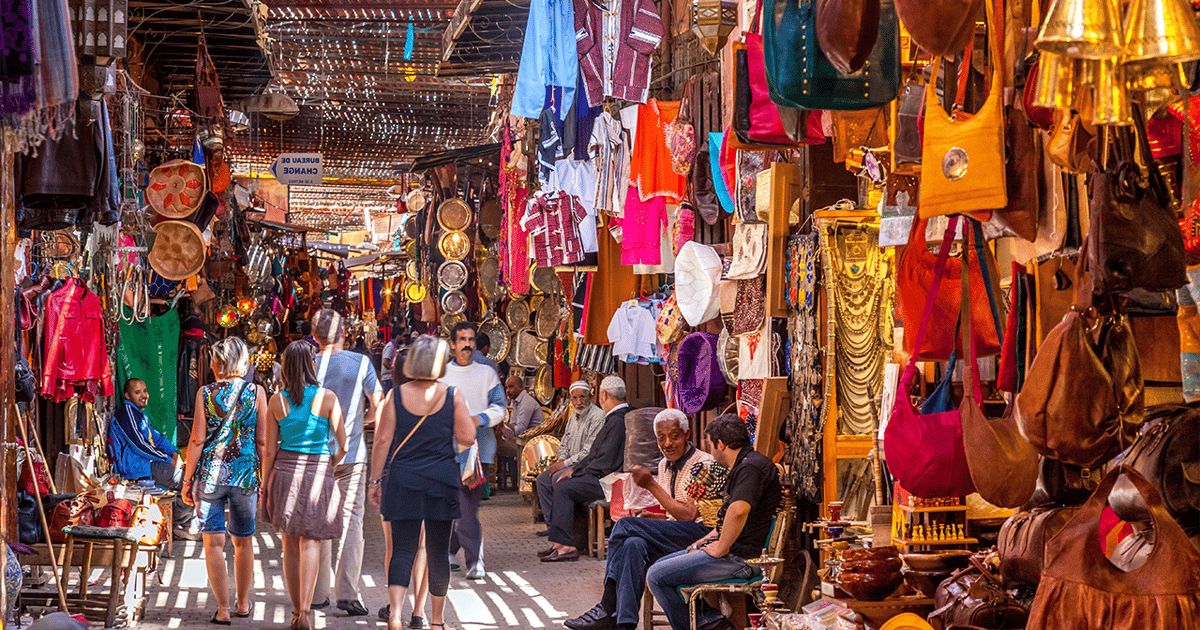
(744, 522)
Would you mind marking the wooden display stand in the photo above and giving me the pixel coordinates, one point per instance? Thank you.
(930, 520)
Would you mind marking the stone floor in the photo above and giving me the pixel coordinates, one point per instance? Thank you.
(518, 592)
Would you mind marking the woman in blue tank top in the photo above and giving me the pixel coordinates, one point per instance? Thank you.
(302, 499)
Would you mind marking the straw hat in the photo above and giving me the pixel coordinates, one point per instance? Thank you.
(178, 251)
(176, 188)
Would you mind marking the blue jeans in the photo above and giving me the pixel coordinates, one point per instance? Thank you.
(634, 545)
(684, 568)
(243, 511)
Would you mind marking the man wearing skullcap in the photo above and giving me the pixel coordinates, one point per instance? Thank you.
(581, 484)
(576, 441)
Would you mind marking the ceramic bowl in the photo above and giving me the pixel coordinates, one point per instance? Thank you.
(925, 582)
(871, 553)
(937, 561)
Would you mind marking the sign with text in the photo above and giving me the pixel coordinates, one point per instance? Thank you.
(298, 168)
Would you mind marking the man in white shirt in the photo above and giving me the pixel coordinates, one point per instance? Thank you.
(576, 441)
(485, 400)
(352, 379)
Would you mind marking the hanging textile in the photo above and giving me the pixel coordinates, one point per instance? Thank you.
(806, 422)
(650, 168)
(149, 351)
(859, 289)
(75, 355)
(549, 57)
(514, 240)
(612, 284)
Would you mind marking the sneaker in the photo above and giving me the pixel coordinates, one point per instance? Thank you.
(187, 533)
(476, 572)
(594, 619)
(385, 613)
(353, 607)
(454, 565)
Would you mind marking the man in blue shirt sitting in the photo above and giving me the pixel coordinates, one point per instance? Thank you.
(139, 453)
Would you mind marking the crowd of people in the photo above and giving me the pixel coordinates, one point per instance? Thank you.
(436, 407)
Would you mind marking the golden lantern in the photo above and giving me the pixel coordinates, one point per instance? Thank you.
(1164, 31)
(713, 21)
(1082, 29)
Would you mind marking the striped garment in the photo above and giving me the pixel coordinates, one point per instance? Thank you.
(616, 39)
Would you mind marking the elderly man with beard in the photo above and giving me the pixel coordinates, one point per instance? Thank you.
(637, 543)
(576, 441)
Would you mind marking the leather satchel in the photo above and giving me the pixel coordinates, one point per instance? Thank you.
(1136, 237)
(1167, 453)
(974, 596)
(76, 511)
(800, 75)
(925, 453)
(1082, 401)
(917, 273)
(942, 27)
(1022, 543)
(1003, 465)
(1022, 177)
(962, 162)
(1082, 590)
(847, 31)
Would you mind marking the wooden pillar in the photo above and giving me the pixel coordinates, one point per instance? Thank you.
(8, 240)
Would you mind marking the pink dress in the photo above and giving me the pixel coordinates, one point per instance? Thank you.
(642, 228)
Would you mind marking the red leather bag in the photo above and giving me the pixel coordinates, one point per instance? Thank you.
(919, 275)
(766, 126)
(117, 513)
(925, 452)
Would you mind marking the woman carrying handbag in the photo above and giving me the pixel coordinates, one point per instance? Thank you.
(414, 465)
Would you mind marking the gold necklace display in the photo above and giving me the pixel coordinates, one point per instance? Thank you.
(859, 288)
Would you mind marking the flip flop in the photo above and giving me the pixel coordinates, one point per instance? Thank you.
(219, 622)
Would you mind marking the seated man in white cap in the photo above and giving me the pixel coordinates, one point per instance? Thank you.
(576, 441)
(581, 484)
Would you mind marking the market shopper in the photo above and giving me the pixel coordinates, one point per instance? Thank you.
(414, 471)
(753, 494)
(352, 378)
(140, 453)
(485, 400)
(576, 441)
(224, 470)
(580, 484)
(637, 543)
(300, 494)
(389, 355)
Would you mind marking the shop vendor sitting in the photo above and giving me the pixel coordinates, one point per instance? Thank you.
(140, 453)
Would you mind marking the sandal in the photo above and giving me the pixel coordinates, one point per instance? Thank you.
(219, 622)
(241, 615)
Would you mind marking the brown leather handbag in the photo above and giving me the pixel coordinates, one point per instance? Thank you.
(1022, 543)
(1137, 242)
(847, 31)
(1023, 177)
(1167, 453)
(1003, 465)
(974, 596)
(1082, 401)
(942, 27)
(1082, 590)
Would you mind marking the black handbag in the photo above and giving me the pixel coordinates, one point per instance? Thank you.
(29, 522)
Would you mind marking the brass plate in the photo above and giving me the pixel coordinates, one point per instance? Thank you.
(727, 359)
(410, 227)
(549, 315)
(455, 245)
(489, 279)
(454, 302)
(454, 215)
(416, 200)
(542, 351)
(543, 385)
(491, 214)
(450, 319)
(452, 275)
(498, 333)
(517, 314)
(525, 344)
(414, 292)
(545, 280)
(411, 270)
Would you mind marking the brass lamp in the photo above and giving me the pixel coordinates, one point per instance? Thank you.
(713, 21)
(1082, 29)
(1164, 31)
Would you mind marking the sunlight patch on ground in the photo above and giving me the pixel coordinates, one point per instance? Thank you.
(192, 574)
(509, 617)
(469, 605)
(532, 618)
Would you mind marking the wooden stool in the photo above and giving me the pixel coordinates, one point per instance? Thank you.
(598, 524)
(114, 547)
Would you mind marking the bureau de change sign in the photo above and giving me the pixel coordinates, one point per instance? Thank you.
(297, 168)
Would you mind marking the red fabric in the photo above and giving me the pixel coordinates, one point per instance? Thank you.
(1006, 380)
(765, 123)
(76, 354)
(639, 29)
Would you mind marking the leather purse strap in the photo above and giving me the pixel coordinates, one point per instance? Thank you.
(939, 268)
(403, 442)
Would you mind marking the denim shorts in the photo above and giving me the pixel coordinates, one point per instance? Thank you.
(243, 511)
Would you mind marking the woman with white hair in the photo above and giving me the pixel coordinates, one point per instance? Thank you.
(224, 470)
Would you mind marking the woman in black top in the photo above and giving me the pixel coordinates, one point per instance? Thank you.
(414, 464)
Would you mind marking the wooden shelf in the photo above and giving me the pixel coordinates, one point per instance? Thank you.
(935, 543)
(930, 510)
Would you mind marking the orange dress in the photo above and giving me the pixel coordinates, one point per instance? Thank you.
(650, 162)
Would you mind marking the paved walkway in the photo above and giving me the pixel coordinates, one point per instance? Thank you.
(518, 592)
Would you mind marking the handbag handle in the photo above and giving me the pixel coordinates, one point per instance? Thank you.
(996, 59)
(970, 368)
(939, 268)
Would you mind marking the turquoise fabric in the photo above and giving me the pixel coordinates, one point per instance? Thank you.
(302, 431)
(149, 350)
(715, 139)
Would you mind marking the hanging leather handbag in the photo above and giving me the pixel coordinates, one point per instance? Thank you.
(975, 597)
(1022, 177)
(847, 31)
(1167, 453)
(1003, 465)
(941, 27)
(1137, 242)
(1072, 142)
(766, 126)
(963, 161)
(750, 119)
(917, 273)
(925, 453)
(1022, 543)
(800, 75)
(1081, 589)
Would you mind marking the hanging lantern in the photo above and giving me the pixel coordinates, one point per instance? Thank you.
(100, 28)
(713, 21)
(229, 316)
